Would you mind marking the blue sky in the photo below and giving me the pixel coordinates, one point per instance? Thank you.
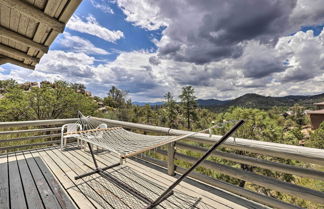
(135, 38)
(223, 49)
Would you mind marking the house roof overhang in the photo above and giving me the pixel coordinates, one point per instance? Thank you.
(28, 28)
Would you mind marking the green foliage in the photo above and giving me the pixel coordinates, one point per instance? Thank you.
(259, 124)
(298, 114)
(116, 98)
(5, 85)
(46, 102)
(15, 106)
(317, 138)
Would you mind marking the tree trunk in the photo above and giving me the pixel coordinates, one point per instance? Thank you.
(188, 116)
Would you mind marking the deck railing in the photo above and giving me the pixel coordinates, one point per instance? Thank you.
(34, 134)
(30, 134)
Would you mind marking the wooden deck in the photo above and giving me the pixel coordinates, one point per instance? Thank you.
(44, 178)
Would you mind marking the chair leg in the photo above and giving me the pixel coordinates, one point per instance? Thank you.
(62, 143)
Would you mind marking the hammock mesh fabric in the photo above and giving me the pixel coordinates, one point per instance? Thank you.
(123, 142)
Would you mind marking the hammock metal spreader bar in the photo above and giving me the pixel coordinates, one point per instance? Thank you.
(167, 192)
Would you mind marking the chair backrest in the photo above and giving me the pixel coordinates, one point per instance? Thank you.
(72, 127)
(102, 125)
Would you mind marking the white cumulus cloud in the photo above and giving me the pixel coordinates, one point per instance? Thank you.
(143, 13)
(78, 44)
(92, 27)
(102, 5)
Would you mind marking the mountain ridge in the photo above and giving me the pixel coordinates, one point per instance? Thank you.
(252, 100)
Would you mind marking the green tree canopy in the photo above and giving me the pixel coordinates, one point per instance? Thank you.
(116, 98)
(57, 100)
(5, 85)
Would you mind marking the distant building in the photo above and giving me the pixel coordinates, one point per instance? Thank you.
(319, 105)
(87, 93)
(100, 104)
(28, 85)
(317, 116)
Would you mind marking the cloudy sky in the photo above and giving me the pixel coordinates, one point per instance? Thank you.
(224, 49)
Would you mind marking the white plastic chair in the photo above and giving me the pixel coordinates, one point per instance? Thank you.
(70, 128)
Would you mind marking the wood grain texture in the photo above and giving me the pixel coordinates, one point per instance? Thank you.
(17, 197)
(17, 53)
(20, 39)
(32, 195)
(44, 189)
(36, 24)
(4, 183)
(34, 13)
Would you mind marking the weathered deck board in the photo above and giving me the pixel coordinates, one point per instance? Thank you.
(49, 176)
(70, 174)
(60, 195)
(88, 184)
(17, 197)
(4, 183)
(67, 183)
(32, 195)
(45, 191)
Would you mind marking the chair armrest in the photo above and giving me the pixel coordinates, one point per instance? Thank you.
(63, 127)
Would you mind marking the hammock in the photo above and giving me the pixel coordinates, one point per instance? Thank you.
(124, 143)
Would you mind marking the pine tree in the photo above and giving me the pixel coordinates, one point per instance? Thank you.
(116, 98)
(189, 104)
(148, 113)
(171, 110)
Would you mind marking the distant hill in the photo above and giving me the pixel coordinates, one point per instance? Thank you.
(211, 102)
(252, 101)
(149, 103)
(262, 102)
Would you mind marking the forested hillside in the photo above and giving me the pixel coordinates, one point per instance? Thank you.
(261, 102)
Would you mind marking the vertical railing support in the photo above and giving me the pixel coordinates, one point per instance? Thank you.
(171, 153)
